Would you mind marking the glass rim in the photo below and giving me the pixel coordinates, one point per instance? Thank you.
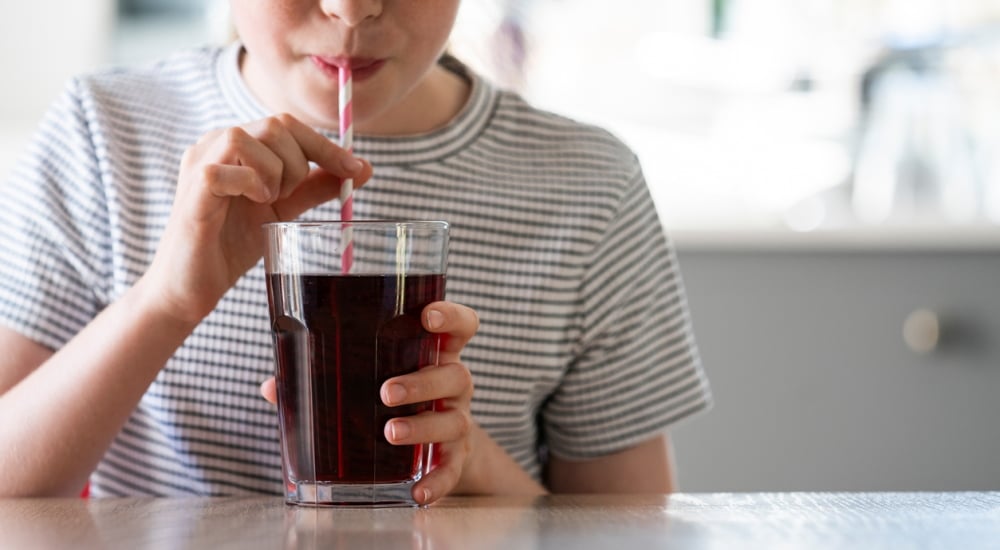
(363, 223)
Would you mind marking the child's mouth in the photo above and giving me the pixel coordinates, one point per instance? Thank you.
(362, 68)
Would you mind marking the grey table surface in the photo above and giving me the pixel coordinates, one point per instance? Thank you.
(715, 520)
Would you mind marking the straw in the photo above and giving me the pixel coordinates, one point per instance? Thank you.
(346, 215)
(347, 188)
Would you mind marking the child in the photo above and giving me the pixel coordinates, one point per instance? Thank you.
(134, 317)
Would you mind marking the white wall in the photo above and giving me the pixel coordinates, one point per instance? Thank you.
(42, 44)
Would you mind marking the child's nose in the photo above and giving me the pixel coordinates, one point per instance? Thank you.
(352, 12)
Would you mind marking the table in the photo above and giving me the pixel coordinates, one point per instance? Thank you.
(718, 520)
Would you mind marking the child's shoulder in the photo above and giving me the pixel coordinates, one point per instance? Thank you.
(561, 139)
(536, 125)
(173, 76)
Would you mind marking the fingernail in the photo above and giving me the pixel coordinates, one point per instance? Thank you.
(394, 393)
(353, 164)
(400, 430)
(435, 319)
(425, 496)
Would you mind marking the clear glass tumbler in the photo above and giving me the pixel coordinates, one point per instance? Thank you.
(345, 301)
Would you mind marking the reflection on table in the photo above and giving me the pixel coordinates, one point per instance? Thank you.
(798, 520)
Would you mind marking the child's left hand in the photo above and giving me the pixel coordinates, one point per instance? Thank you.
(448, 382)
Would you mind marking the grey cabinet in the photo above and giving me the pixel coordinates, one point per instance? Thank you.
(814, 386)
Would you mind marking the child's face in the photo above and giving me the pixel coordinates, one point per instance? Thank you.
(293, 48)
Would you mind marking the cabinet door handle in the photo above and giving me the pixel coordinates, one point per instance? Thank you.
(922, 330)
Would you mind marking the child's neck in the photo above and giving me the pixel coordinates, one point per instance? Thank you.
(441, 96)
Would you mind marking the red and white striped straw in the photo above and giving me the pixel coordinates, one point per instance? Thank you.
(347, 235)
(347, 188)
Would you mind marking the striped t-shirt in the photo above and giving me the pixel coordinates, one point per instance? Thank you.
(585, 345)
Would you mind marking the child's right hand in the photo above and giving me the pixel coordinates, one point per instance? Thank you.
(230, 183)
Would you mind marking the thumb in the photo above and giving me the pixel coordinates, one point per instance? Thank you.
(317, 188)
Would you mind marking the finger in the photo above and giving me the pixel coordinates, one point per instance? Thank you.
(443, 381)
(239, 148)
(456, 323)
(209, 137)
(318, 187)
(429, 427)
(269, 389)
(364, 175)
(224, 180)
(443, 479)
(274, 134)
(322, 151)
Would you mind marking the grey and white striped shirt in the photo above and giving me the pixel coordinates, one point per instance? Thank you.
(585, 345)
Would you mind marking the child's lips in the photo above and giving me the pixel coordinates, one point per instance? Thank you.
(362, 68)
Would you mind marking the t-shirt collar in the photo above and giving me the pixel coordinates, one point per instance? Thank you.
(432, 146)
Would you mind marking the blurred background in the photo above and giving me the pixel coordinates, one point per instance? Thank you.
(829, 169)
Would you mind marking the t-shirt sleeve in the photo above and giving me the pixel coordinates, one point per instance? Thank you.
(638, 370)
(53, 229)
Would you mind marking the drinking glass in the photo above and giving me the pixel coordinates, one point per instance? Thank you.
(345, 302)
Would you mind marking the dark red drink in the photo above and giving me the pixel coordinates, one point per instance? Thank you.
(335, 346)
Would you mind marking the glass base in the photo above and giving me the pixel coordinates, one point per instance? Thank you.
(367, 495)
